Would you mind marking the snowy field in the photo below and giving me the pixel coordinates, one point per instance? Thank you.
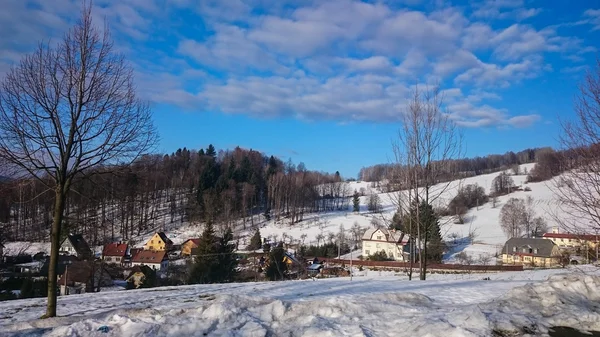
(372, 305)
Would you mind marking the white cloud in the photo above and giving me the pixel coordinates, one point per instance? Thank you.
(493, 75)
(336, 59)
(592, 17)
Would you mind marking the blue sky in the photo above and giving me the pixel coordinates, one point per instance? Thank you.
(325, 82)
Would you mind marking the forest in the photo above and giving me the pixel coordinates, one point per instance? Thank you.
(106, 204)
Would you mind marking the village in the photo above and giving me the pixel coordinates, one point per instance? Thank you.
(120, 265)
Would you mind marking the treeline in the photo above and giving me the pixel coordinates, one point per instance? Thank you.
(157, 191)
(461, 168)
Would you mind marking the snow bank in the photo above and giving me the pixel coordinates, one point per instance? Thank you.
(339, 308)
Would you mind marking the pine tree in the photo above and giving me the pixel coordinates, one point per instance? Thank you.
(276, 269)
(255, 241)
(206, 263)
(356, 202)
(211, 152)
(227, 259)
(430, 231)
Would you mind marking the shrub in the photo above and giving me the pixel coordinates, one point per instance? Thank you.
(379, 256)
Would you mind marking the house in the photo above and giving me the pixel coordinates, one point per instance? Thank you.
(392, 242)
(82, 277)
(159, 241)
(77, 246)
(155, 259)
(114, 253)
(188, 245)
(138, 275)
(572, 241)
(531, 251)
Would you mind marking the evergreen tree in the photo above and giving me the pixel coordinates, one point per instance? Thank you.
(206, 262)
(356, 202)
(277, 268)
(227, 259)
(430, 231)
(255, 241)
(211, 152)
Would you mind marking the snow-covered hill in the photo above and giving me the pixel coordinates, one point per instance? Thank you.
(324, 226)
(447, 305)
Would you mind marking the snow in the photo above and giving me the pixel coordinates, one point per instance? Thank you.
(449, 305)
(26, 248)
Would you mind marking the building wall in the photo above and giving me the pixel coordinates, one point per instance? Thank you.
(68, 247)
(392, 250)
(186, 248)
(113, 259)
(537, 261)
(572, 243)
(155, 266)
(155, 243)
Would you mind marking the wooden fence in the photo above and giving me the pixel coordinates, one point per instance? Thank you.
(431, 266)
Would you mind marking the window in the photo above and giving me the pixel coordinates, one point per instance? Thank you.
(159, 242)
(514, 249)
(530, 251)
(151, 242)
(535, 251)
(367, 252)
(378, 237)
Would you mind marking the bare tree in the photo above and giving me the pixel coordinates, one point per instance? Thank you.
(374, 203)
(427, 146)
(578, 192)
(68, 108)
(513, 217)
(502, 184)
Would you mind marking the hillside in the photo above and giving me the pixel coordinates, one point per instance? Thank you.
(325, 226)
(452, 305)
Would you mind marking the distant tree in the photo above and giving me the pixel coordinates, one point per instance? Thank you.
(502, 184)
(539, 227)
(206, 265)
(513, 217)
(356, 202)
(255, 241)
(548, 165)
(468, 196)
(374, 203)
(226, 258)
(210, 151)
(433, 246)
(277, 268)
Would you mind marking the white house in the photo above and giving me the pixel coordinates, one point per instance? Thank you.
(392, 242)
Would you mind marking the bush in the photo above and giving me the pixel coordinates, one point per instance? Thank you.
(379, 256)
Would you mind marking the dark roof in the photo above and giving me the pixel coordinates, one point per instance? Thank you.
(80, 272)
(195, 241)
(80, 245)
(149, 256)
(544, 247)
(115, 249)
(165, 239)
(63, 260)
(586, 237)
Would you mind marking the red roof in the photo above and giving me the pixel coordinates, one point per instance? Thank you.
(586, 237)
(149, 256)
(115, 249)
